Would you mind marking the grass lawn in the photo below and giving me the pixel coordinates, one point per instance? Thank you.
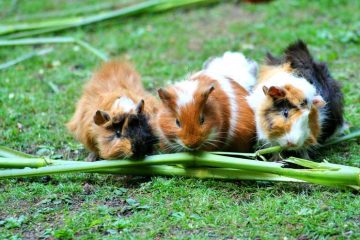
(165, 47)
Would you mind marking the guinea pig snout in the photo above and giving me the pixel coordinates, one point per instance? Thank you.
(192, 145)
(290, 144)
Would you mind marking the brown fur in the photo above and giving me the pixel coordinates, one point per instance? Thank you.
(113, 80)
(215, 107)
(245, 133)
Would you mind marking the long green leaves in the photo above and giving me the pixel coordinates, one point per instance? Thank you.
(70, 22)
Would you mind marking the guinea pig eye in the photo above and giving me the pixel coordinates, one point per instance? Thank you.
(201, 119)
(178, 123)
(285, 113)
(118, 133)
(304, 103)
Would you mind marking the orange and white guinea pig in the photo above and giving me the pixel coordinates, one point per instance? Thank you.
(209, 111)
(286, 108)
(113, 116)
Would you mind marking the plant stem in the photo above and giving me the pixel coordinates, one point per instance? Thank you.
(352, 135)
(258, 153)
(147, 6)
(274, 149)
(8, 152)
(344, 176)
(199, 172)
(32, 41)
(33, 162)
(73, 11)
(20, 162)
(176, 158)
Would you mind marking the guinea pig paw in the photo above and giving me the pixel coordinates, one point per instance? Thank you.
(92, 157)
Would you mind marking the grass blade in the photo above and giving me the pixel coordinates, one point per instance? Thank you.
(352, 135)
(33, 41)
(25, 57)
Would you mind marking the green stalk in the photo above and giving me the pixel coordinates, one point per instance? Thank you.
(342, 176)
(74, 11)
(31, 33)
(32, 41)
(8, 152)
(176, 158)
(32, 162)
(200, 172)
(258, 153)
(20, 162)
(80, 21)
(276, 149)
(351, 135)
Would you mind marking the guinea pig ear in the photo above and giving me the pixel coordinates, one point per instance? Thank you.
(318, 101)
(167, 98)
(207, 92)
(140, 107)
(164, 95)
(274, 92)
(101, 117)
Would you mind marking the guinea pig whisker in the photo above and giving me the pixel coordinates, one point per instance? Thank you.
(210, 144)
(266, 144)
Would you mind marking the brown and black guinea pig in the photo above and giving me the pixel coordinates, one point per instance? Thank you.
(297, 104)
(113, 116)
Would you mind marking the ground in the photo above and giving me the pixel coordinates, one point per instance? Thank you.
(37, 97)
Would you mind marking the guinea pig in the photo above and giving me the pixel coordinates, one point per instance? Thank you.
(209, 110)
(113, 116)
(291, 102)
(316, 73)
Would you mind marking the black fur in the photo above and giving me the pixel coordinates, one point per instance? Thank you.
(317, 73)
(141, 135)
(138, 131)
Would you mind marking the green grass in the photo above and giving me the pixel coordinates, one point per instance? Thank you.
(165, 47)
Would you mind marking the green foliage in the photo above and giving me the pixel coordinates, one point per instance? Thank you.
(165, 47)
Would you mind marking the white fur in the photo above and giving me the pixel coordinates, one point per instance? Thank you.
(125, 103)
(185, 91)
(299, 132)
(235, 66)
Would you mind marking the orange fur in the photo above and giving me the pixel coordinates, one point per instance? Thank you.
(216, 111)
(245, 133)
(113, 80)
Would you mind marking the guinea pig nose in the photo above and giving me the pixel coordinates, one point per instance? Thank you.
(193, 146)
(290, 144)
